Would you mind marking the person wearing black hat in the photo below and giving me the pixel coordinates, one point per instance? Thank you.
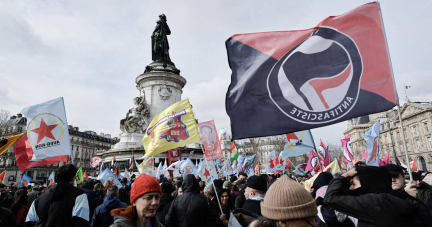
(424, 190)
(256, 187)
(371, 200)
(408, 192)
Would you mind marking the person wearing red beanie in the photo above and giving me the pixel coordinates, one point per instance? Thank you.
(144, 197)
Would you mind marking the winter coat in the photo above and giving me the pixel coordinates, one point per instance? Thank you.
(33, 195)
(124, 217)
(94, 199)
(164, 206)
(191, 209)
(371, 209)
(328, 217)
(240, 199)
(252, 204)
(7, 218)
(102, 216)
(62, 205)
(424, 217)
(424, 193)
(240, 218)
(6, 200)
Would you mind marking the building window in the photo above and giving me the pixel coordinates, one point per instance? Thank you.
(401, 148)
(430, 142)
(408, 147)
(398, 134)
(77, 148)
(418, 145)
(405, 133)
(72, 147)
(19, 129)
(415, 130)
(426, 127)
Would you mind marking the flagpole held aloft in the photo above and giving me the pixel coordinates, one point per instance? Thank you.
(217, 197)
(316, 152)
(403, 140)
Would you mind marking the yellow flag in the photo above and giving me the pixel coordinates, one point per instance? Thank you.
(174, 127)
(9, 142)
(333, 168)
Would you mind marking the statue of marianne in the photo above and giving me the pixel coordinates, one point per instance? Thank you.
(160, 46)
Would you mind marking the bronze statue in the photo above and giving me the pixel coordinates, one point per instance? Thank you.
(160, 46)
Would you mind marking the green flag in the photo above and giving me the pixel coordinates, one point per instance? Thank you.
(79, 176)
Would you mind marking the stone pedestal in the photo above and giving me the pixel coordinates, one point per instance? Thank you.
(161, 87)
(128, 141)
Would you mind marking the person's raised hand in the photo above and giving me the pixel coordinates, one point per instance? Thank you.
(359, 163)
(223, 217)
(352, 172)
(410, 189)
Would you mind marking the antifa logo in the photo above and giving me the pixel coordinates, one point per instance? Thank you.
(317, 81)
(322, 152)
(349, 149)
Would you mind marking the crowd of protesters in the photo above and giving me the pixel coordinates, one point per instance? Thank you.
(361, 196)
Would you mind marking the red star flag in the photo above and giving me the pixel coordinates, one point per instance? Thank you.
(207, 172)
(47, 129)
(2, 176)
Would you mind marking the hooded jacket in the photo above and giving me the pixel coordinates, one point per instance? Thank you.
(94, 199)
(191, 209)
(423, 193)
(373, 205)
(164, 206)
(124, 217)
(102, 216)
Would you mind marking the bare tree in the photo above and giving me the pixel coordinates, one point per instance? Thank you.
(4, 117)
(335, 152)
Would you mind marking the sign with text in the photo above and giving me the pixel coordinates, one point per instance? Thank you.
(174, 155)
(208, 134)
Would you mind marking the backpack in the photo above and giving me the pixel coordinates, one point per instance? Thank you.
(22, 214)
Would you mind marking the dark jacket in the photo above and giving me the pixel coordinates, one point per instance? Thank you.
(240, 218)
(424, 193)
(424, 217)
(164, 206)
(252, 204)
(54, 207)
(7, 218)
(102, 216)
(191, 209)
(240, 199)
(33, 195)
(94, 199)
(6, 200)
(123, 217)
(371, 209)
(328, 217)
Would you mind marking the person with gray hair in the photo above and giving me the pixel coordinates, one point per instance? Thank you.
(102, 216)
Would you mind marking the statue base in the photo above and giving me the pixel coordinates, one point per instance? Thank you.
(129, 141)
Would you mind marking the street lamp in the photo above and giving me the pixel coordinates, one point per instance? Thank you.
(391, 138)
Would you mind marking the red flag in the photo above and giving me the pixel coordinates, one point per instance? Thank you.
(132, 163)
(85, 175)
(24, 152)
(2, 176)
(413, 165)
(257, 168)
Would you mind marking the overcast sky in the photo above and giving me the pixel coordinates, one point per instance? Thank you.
(90, 52)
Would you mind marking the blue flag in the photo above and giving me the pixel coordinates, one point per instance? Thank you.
(247, 163)
(51, 178)
(372, 144)
(221, 161)
(25, 180)
(187, 167)
(270, 162)
(100, 168)
(107, 174)
(226, 168)
(207, 172)
(298, 143)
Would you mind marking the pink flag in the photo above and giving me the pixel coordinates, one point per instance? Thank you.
(346, 145)
(386, 159)
(312, 165)
(323, 153)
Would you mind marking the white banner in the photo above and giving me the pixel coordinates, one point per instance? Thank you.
(47, 129)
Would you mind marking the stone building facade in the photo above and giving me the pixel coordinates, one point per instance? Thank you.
(417, 125)
(84, 145)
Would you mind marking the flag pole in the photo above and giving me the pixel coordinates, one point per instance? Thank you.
(316, 152)
(403, 140)
(217, 197)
